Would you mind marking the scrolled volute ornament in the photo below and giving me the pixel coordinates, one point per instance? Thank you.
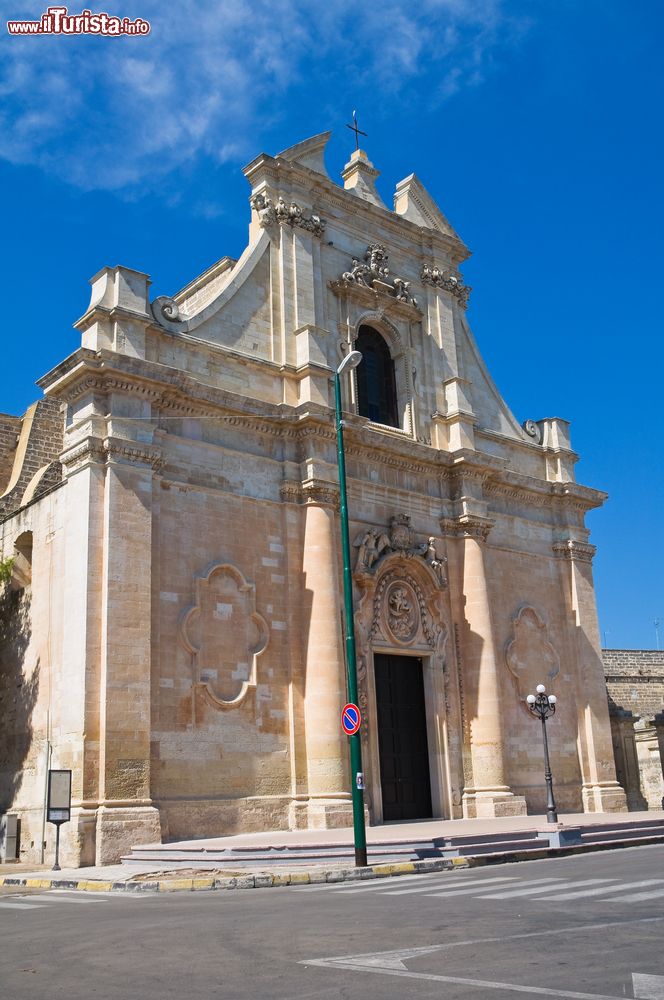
(165, 308)
(533, 430)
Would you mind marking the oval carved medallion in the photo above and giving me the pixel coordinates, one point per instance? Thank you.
(401, 611)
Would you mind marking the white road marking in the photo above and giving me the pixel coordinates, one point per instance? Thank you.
(6, 905)
(605, 890)
(648, 987)
(384, 884)
(81, 898)
(476, 887)
(635, 897)
(458, 981)
(391, 963)
(373, 882)
(80, 895)
(540, 890)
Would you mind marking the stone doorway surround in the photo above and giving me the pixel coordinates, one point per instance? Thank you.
(403, 610)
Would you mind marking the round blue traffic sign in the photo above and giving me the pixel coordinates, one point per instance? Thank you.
(351, 720)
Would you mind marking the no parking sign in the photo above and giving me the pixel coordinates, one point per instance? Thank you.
(351, 720)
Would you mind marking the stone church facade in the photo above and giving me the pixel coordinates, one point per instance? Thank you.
(173, 633)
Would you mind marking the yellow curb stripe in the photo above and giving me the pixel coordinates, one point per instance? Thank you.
(399, 868)
(171, 885)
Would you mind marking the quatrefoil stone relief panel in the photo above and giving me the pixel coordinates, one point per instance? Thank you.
(224, 634)
(530, 657)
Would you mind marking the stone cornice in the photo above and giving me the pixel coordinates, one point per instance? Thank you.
(574, 551)
(541, 493)
(110, 450)
(174, 393)
(375, 298)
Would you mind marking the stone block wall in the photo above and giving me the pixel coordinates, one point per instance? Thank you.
(10, 428)
(635, 679)
(29, 444)
(635, 685)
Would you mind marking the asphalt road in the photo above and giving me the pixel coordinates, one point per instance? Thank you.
(583, 927)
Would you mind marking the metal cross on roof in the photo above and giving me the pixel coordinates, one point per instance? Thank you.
(358, 131)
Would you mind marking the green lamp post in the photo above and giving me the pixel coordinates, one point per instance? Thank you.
(351, 361)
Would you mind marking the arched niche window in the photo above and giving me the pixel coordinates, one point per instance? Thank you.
(376, 383)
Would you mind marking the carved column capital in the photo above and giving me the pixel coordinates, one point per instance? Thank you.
(311, 491)
(574, 551)
(467, 526)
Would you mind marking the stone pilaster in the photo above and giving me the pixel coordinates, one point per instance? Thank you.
(325, 689)
(489, 795)
(601, 791)
(79, 711)
(625, 756)
(126, 815)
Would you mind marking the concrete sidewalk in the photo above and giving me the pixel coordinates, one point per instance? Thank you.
(394, 833)
(164, 876)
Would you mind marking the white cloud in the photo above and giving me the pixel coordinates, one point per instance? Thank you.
(116, 113)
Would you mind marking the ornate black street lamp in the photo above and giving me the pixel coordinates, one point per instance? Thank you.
(544, 706)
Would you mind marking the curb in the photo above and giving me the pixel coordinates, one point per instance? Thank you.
(266, 880)
(262, 880)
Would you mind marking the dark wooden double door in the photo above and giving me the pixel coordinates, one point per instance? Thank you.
(402, 737)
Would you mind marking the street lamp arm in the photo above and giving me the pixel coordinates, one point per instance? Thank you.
(351, 360)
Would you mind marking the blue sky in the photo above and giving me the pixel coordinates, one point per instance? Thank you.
(537, 126)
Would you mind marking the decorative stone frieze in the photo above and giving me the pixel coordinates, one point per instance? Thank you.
(575, 551)
(119, 450)
(448, 279)
(374, 273)
(224, 634)
(286, 215)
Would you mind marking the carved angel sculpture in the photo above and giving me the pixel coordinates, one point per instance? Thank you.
(436, 562)
(371, 546)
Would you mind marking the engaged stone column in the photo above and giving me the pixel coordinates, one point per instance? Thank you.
(325, 689)
(489, 795)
